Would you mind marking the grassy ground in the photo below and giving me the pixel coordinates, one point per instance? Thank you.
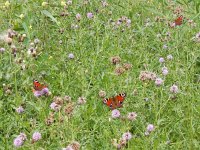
(93, 43)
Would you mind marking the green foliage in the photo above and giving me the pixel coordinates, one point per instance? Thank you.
(93, 43)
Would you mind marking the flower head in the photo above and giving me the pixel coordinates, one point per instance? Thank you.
(131, 116)
(159, 81)
(127, 136)
(20, 110)
(71, 56)
(174, 89)
(55, 106)
(21, 16)
(78, 16)
(81, 100)
(2, 50)
(90, 15)
(7, 4)
(169, 57)
(115, 60)
(161, 60)
(44, 4)
(165, 71)
(102, 94)
(150, 127)
(115, 113)
(18, 142)
(36, 136)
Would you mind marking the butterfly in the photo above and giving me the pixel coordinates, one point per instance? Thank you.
(115, 102)
(38, 86)
(179, 21)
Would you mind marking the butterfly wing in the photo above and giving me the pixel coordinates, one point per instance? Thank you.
(109, 102)
(120, 99)
(179, 21)
(115, 102)
(37, 86)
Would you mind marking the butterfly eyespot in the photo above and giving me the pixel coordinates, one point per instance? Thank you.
(123, 94)
(105, 101)
(110, 105)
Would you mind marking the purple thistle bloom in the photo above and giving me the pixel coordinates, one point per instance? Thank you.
(18, 142)
(90, 15)
(174, 89)
(159, 81)
(150, 127)
(115, 113)
(36, 136)
(71, 56)
(20, 110)
(127, 136)
(161, 60)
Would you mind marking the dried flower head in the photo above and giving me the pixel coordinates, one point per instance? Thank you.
(58, 100)
(131, 116)
(119, 70)
(169, 57)
(127, 66)
(75, 145)
(50, 119)
(69, 109)
(81, 100)
(115, 60)
(2, 50)
(102, 93)
(67, 98)
(146, 75)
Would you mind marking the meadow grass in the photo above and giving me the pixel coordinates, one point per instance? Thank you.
(93, 43)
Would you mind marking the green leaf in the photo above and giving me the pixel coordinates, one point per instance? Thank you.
(48, 14)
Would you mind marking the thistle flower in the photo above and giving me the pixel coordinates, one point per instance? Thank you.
(174, 89)
(78, 17)
(150, 128)
(165, 46)
(2, 50)
(169, 57)
(69, 109)
(20, 110)
(55, 106)
(44, 91)
(75, 145)
(127, 136)
(159, 81)
(146, 75)
(115, 113)
(131, 116)
(81, 100)
(127, 66)
(18, 142)
(71, 56)
(36, 136)
(161, 60)
(165, 71)
(102, 94)
(90, 15)
(36, 41)
(115, 60)
(67, 98)
(119, 70)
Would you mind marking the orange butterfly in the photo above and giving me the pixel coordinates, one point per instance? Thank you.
(115, 102)
(38, 86)
(179, 21)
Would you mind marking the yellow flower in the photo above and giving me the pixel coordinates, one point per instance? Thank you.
(7, 4)
(63, 3)
(50, 57)
(30, 27)
(44, 4)
(21, 16)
